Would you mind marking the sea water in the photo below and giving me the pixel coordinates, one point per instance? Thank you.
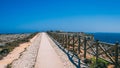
(107, 37)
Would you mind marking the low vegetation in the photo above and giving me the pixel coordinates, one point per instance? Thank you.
(101, 63)
(4, 50)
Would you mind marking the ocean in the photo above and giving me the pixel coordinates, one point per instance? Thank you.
(107, 37)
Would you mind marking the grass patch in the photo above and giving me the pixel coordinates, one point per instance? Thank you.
(101, 63)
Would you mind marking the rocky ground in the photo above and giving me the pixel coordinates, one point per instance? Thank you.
(16, 53)
(5, 38)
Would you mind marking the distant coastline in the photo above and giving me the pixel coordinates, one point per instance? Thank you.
(108, 37)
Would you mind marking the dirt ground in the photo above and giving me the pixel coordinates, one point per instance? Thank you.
(15, 54)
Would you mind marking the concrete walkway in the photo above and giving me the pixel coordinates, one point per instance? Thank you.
(47, 57)
(41, 53)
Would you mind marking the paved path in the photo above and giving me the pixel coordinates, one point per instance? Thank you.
(42, 53)
(47, 57)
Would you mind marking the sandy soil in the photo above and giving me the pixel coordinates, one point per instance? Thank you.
(15, 54)
(28, 57)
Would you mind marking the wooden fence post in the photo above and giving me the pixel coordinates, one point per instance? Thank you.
(85, 41)
(66, 40)
(116, 55)
(58, 38)
(73, 42)
(62, 39)
(79, 42)
(97, 44)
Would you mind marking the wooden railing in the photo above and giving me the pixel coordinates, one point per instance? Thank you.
(85, 47)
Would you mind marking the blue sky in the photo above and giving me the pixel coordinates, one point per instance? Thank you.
(66, 15)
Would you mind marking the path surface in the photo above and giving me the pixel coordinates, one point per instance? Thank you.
(42, 53)
(47, 57)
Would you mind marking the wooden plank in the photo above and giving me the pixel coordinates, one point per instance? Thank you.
(91, 47)
(111, 48)
(107, 54)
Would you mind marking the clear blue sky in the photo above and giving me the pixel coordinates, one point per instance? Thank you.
(67, 15)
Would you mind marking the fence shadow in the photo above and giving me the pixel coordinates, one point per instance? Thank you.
(72, 57)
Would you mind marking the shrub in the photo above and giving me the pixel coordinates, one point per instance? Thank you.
(100, 64)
